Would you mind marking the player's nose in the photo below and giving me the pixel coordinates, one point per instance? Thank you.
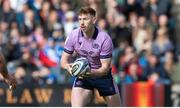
(81, 22)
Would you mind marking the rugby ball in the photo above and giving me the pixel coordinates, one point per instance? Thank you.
(80, 66)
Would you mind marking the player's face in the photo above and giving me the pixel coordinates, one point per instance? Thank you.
(86, 21)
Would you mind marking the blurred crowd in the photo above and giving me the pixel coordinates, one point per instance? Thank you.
(32, 35)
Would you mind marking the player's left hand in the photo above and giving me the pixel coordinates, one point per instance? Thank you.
(11, 81)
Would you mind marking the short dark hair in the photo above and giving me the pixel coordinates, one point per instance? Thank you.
(87, 10)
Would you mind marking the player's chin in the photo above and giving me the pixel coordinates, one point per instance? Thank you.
(83, 29)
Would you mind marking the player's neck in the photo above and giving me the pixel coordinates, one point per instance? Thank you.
(90, 32)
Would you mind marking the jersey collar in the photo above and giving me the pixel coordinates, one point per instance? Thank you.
(94, 35)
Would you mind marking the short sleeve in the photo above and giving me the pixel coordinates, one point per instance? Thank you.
(69, 44)
(107, 47)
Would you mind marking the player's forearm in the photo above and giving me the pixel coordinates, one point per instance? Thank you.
(3, 68)
(66, 66)
(65, 63)
(100, 72)
(4, 72)
(104, 69)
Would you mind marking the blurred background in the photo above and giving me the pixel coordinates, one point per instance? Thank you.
(146, 55)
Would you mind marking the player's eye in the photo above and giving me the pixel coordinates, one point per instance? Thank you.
(80, 19)
(85, 19)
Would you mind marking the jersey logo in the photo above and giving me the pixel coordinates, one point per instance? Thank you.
(95, 46)
(79, 83)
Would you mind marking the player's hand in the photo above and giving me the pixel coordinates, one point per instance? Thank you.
(69, 68)
(11, 81)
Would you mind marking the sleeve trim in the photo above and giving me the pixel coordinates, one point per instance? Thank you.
(105, 56)
(68, 51)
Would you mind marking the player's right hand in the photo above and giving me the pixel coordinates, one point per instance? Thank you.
(69, 68)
